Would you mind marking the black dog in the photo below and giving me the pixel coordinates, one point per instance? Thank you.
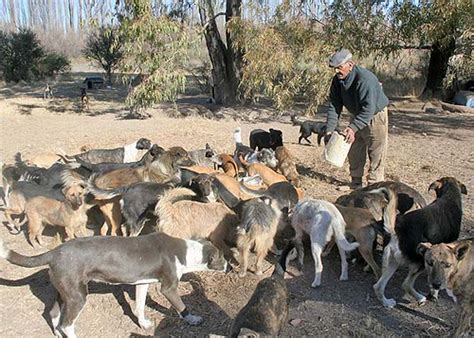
(309, 127)
(260, 139)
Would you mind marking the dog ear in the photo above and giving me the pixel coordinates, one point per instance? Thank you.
(422, 247)
(208, 146)
(462, 249)
(463, 188)
(436, 185)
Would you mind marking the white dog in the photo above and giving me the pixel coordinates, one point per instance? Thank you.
(321, 221)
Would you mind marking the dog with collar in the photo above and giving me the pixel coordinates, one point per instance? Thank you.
(127, 153)
(136, 261)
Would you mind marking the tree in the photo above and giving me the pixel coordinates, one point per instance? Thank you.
(226, 59)
(104, 46)
(388, 28)
(155, 50)
(21, 52)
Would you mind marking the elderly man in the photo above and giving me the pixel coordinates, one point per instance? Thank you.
(361, 93)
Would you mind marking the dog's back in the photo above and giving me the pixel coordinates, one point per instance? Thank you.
(439, 222)
(267, 310)
(286, 165)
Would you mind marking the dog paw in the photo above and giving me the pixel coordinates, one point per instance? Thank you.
(343, 277)
(421, 301)
(242, 273)
(57, 333)
(315, 284)
(145, 324)
(193, 320)
(390, 303)
(258, 272)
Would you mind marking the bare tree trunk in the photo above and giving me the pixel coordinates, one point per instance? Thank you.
(437, 68)
(226, 62)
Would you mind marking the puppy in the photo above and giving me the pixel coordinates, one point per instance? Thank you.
(259, 218)
(136, 260)
(320, 220)
(287, 166)
(439, 222)
(265, 156)
(451, 267)
(260, 139)
(267, 309)
(309, 127)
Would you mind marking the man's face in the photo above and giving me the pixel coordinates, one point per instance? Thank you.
(343, 70)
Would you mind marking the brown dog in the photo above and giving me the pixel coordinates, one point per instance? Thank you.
(451, 267)
(70, 214)
(228, 164)
(163, 168)
(286, 165)
(269, 176)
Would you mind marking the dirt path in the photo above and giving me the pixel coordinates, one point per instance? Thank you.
(423, 147)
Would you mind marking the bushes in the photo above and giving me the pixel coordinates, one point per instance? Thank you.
(23, 58)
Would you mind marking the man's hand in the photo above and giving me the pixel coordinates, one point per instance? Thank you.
(349, 134)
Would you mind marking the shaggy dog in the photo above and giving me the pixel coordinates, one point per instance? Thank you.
(439, 222)
(259, 218)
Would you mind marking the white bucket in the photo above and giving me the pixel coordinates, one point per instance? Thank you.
(336, 150)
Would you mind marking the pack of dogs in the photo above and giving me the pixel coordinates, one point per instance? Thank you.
(168, 212)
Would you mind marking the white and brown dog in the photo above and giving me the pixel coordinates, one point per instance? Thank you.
(137, 261)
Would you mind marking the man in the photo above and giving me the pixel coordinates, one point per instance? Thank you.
(361, 93)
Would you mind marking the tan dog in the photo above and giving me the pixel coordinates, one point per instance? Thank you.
(180, 217)
(286, 165)
(451, 267)
(228, 165)
(70, 214)
(269, 176)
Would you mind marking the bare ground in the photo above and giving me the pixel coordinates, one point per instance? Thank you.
(422, 148)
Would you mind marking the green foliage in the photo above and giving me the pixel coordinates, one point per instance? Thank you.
(104, 47)
(156, 49)
(285, 60)
(23, 58)
(53, 63)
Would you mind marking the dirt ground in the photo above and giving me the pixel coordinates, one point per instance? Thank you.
(422, 148)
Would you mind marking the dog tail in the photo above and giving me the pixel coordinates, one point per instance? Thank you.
(390, 211)
(102, 194)
(65, 157)
(339, 226)
(24, 261)
(238, 135)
